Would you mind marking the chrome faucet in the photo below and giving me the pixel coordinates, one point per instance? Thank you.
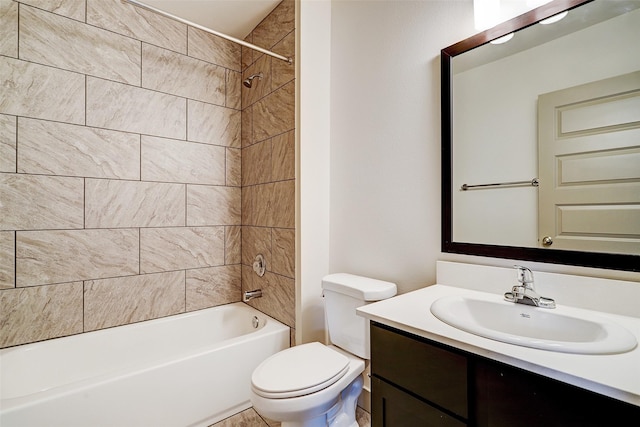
(524, 293)
(249, 295)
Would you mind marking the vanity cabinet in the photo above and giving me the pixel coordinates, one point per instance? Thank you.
(418, 382)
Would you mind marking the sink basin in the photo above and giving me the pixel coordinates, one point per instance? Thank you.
(563, 329)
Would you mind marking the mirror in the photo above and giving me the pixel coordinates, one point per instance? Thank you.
(553, 116)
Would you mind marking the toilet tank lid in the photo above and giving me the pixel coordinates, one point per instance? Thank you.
(360, 287)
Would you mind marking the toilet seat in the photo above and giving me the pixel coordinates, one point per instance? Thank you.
(298, 371)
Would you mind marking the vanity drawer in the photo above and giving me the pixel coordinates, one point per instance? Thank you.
(391, 407)
(433, 373)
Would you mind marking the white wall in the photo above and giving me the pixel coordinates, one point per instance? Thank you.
(384, 200)
(385, 135)
(313, 53)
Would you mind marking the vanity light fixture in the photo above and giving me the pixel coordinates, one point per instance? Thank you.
(502, 39)
(554, 18)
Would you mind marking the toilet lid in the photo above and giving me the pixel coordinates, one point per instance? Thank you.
(299, 370)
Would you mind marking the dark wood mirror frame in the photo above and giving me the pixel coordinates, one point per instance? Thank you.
(585, 259)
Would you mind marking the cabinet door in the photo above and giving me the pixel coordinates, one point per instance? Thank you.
(508, 397)
(391, 407)
(435, 374)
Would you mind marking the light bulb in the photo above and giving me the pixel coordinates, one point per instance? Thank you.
(502, 39)
(554, 18)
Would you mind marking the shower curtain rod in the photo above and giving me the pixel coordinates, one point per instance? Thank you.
(208, 30)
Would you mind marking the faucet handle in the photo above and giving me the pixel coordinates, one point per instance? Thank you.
(525, 276)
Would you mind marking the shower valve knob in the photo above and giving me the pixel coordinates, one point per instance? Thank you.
(259, 265)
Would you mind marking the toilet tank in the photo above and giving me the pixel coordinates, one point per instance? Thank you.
(343, 293)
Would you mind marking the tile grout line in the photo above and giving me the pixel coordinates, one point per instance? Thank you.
(84, 307)
(15, 259)
(141, 63)
(17, 135)
(18, 33)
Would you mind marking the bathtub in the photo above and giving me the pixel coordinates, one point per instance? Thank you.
(192, 369)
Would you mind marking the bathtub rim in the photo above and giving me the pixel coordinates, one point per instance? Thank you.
(8, 404)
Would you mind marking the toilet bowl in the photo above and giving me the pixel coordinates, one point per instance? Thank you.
(317, 385)
(320, 386)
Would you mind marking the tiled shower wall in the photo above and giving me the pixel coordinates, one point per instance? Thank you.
(268, 165)
(120, 168)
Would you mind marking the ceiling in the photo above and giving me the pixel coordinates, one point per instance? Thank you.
(233, 17)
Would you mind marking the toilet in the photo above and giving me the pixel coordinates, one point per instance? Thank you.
(313, 385)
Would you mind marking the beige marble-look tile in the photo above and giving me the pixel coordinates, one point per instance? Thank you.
(58, 256)
(7, 259)
(269, 205)
(167, 249)
(283, 158)
(31, 202)
(117, 106)
(9, 28)
(43, 92)
(115, 203)
(208, 287)
(40, 313)
(213, 124)
(256, 163)
(274, 114)
(363, 417)
(279, 23)
(283, 205)
(247, 53)
(234, 167)
(172, 160)
(234, 90)
(282, 72)
(256, 205)
(177, 74)
(141, 24)
(284, 252)
(62, 149)
(213, 49)
(247, 127)
(61, 42)
(213, 205)
(124, 300)
(232, 244)
(7, 143)
(75, 9)
(256, 240)
(246, 418)
(278, 294)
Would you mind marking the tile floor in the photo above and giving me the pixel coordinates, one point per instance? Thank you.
(250, 418)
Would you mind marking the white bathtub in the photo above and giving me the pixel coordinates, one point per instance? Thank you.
(192, 369)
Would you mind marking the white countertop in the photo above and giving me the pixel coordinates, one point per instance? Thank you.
(614, 375)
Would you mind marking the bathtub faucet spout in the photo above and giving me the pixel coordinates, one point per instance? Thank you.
(249, 295)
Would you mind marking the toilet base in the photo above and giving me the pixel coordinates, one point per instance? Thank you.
(341, 414)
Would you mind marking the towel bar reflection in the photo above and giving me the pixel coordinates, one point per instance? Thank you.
(534, 183)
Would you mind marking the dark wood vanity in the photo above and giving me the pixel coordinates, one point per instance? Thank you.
(420, 382)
